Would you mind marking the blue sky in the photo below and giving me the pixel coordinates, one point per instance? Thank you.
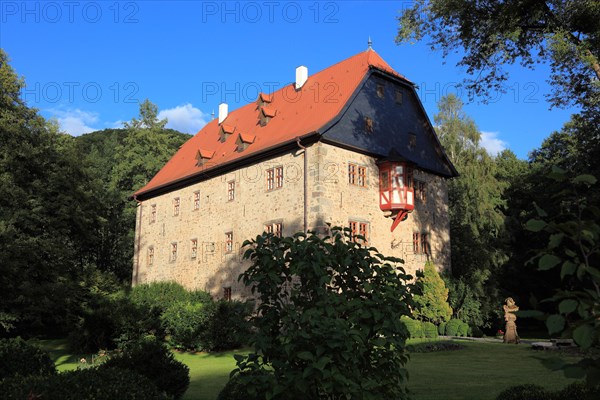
(89, 63)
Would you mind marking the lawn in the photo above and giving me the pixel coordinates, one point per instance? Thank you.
(480, 371)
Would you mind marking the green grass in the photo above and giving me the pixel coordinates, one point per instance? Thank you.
(480, 371)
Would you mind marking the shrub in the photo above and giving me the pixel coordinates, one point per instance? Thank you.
(578, 391)
(430, 347)
(88, 384)
(228, 327)
(153, 360)
(200, 296)
(452, 327)
(476, 332)
(159, 296)
(414, 327)
(432, 303)
(430, 330)
(184, 322)
(463, 329)
(525, 392)
(18, 357)
(241, 386)
(442, 328)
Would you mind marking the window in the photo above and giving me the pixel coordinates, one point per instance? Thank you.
(274, 178)
(228, 242)
(380, 90)
(153, 213)
(412, 140)
(151, 256)
(420, 191)
(173, 251)
(194, 248)
(369, 124)
(227, 293)
(357, 175)
(230, 190)
(421, 243)
(416, 243)
(176, 203)
(196, 200)
(398, 96)
(359, 228)
(274, 228)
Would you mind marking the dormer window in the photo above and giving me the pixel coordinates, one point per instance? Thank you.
(369, 124)
(412, 140)
(380, 90)
(203, 156)
(266, 113)
(243, 141)
(264, 99)
(399, 96)
(225, 131)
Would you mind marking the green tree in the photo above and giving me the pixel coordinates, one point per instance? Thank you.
(476, 222)
(563, 33)
(328, 321)
(432, 302)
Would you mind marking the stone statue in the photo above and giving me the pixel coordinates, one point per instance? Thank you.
(510, 332)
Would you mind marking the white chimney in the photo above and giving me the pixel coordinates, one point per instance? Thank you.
(301, 76)
(223, 109)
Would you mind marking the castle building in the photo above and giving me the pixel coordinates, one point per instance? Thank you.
(349, 146)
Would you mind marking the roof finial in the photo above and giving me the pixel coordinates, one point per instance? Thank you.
(212, 114)
(370, 43)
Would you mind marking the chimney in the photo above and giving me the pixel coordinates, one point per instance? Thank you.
(222, 112)
(301, 76)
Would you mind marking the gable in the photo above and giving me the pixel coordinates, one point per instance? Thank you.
(386, 116)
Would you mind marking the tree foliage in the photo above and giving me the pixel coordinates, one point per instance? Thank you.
(563, 33)
(432, 302)
(328, 321)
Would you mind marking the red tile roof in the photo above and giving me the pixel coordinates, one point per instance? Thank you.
(244, 137)
(299, 113)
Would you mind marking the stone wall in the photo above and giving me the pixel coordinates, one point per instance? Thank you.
(331, 199)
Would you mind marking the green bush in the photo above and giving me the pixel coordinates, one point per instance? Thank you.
(525, 392)
(463, 329)
(476, 332)
(414, 327)
(228, 327)
(242, 386)
(184, 322)
(442, 329)
(159, 296)
(578, 391)
(18, 357)
(88, 384)
(200, 296)
(430, 347)
(430, 330)
(452, 327)
(153, 360)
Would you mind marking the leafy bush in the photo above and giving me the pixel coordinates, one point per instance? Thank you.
(185, 321)
(228, 327)
(153, 360)
(578, 391)
(476, 332)
(158, 296)
(200, 296)
(414, 327)
(463, 329)
(18, 357)
(108, 321)
(88, 384)
(430, 330)
(525, 392)
(430, 347)
(328, 320)
(442, 329)
(452, 327)
(237, 388)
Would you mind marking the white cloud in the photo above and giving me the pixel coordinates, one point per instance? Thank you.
(490, 141)
(186, 118)
(75, 122)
